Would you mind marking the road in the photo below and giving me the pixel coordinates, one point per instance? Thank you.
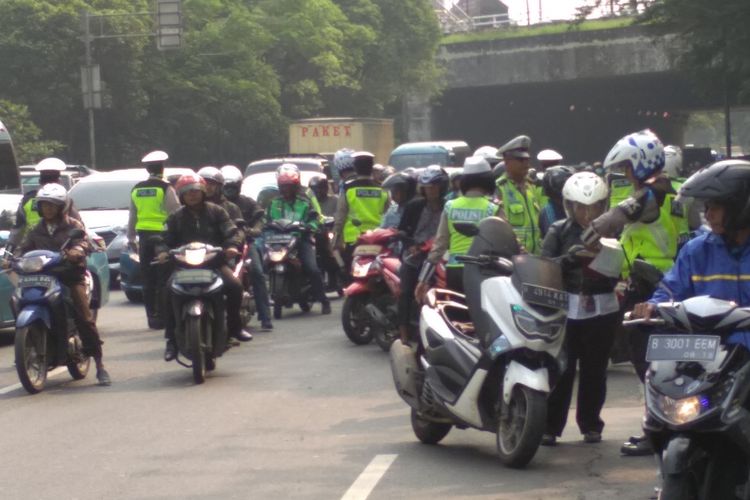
(296, 413)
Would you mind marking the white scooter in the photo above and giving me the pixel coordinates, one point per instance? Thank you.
(490, 358)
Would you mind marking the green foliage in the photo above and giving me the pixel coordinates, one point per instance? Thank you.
(29, 146)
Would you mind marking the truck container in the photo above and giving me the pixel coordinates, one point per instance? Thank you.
(328, 135)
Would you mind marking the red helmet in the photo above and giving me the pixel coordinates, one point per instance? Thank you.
(288, 174)
(188, 182)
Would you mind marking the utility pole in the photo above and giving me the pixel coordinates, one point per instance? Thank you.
(88, 90)
(528, 14)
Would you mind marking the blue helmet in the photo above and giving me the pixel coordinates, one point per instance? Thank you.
(343, 160)
(643, 150)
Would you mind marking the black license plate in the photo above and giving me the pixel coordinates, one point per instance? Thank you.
(682, 347)
(543, 296)
(194, 277)
(279, 238)
(35, 281)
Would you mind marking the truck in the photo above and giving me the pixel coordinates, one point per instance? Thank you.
(327, 135)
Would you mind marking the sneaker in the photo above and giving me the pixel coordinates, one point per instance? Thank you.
(592, 437)
(325, 308)
(549, 440)
(266, 326)
(639, 449)
(170, 352)
(103, 377)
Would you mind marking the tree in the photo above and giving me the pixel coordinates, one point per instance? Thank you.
(27, 141)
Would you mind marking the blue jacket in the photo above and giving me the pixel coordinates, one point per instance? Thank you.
(706, 266)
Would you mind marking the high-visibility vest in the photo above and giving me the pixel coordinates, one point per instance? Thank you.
(148, 199)
(620, 189)
(465, 209)
(367, 204)
(522, 213)
(654, 242)
(678, 210)
(31, 213)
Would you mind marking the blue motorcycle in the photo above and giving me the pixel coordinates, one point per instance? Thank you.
(46, 334)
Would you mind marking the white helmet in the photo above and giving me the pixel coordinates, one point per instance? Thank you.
(585, 188)
(231, 174)
(53, 193)
(549, 155)
(643, 150)
(672, 161)
(476, 165)
(210, 173)
(48, 164)
(489, 153)
(155, 157)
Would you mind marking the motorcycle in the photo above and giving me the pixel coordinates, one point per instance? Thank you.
(370, 309)
(490, 357)
(198, 303)
(697, 395)
(289, 284)
(46, 334)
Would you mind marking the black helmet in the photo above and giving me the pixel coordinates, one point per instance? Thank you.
(728, 183)
(363, 162)
(319, 185)
(402, 181)
(554, 180)
(434, 174)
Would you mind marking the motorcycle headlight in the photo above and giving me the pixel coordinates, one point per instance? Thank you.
(277, 255)
(195, 256)
(534, 329)
(360, 269)
(32, 264)
(682, 411)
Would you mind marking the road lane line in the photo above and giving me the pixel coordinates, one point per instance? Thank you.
(54, 373)
(366, 482)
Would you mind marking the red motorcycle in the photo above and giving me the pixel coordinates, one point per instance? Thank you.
(370, 309)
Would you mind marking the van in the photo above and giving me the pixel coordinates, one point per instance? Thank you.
(423, 154)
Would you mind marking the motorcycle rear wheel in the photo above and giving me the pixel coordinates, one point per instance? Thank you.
(78, 364)
(427, 431)
(354, 319)
(521, 426)
(197, 352)
(31, 356)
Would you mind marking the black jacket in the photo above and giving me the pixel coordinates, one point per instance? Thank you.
(577, 277)
(210, 225)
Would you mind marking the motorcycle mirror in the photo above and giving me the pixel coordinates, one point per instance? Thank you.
(467, 228)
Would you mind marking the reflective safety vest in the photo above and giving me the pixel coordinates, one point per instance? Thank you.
(541, 199)
(366, 203)
(31, 213)
(620, 189)
(654, 242)
(679, 210)
(148, 199)
(522, 213)
(465, 209)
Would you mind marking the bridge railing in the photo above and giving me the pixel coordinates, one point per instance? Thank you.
(491, 21)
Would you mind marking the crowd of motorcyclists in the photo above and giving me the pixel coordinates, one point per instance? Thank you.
(635, 196)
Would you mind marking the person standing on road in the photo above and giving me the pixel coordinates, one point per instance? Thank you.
(517, 194)
(323, 244)
(593, 312)
(253, 215)
(151, 202)
(51, 233)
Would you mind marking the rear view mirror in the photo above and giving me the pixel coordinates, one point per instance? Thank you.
(467, 228)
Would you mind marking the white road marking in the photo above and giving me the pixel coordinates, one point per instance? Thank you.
(54, 373)
(366, 482)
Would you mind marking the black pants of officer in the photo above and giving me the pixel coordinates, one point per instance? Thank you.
(233, 300)
(587, 343)
(154, 278)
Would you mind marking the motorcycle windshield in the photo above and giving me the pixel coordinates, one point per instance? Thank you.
(538, 273)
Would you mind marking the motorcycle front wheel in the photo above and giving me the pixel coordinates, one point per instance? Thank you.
(355, 320)
(78, 364)
(521, 426)
(197, 352)
(31, 356)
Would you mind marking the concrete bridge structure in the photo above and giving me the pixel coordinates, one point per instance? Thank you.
(576, 92)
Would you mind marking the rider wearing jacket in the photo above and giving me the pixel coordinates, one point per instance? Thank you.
(205, 222)
(402, 188)
(51, 233)
(552, 185)
(716, 263)
(292, 206)
(253, 215)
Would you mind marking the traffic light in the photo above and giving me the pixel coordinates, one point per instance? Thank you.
(168, 24)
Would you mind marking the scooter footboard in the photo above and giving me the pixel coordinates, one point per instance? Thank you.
(404, 370)
(516, 373)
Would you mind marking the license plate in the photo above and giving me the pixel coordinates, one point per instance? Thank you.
(682, 347)
(279, 238)
(35, 281)
(368, 250)
(194, 277)
(542, 296)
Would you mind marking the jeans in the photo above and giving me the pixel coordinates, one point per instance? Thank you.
(258, 282)
(310, 267)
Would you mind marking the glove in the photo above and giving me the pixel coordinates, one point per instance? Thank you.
(591, 237)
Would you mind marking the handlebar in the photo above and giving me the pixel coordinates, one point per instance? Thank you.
(627, 321)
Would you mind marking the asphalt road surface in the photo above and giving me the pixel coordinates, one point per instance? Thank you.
(296, 413)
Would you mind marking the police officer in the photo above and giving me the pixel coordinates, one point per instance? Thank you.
(151, 202)
(363, 200)
(473, 205)
(327, 201)
(685, 214)
(547, 158)
(518, 195)
(253, 215)
(27, 215)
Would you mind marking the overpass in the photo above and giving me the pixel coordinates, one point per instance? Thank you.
(577, 91)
